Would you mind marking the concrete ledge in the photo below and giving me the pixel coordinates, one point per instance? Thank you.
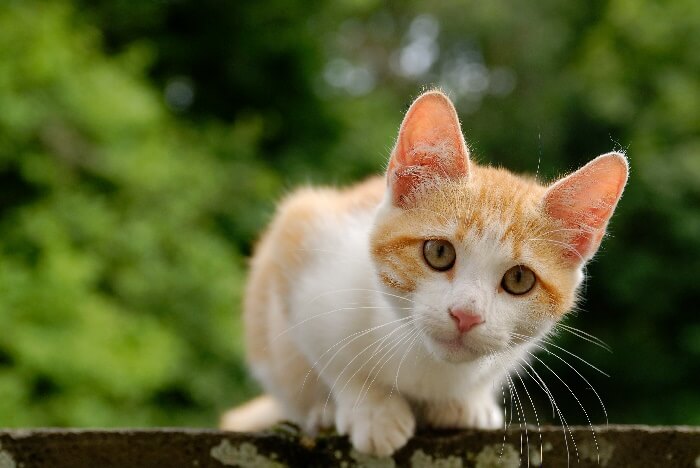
(613, 446)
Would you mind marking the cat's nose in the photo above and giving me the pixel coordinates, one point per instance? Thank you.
(465, 319)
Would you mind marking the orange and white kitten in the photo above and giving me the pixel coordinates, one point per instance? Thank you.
(407, 299)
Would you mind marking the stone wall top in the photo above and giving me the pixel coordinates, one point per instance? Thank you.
(607, 446)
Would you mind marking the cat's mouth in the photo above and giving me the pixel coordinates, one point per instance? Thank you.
(458, 348)
(452, 344)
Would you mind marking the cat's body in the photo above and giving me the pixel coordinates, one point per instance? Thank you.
(403, 301)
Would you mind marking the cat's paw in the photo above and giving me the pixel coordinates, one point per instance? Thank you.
(320, 416)
(482, 413)
(378, 427)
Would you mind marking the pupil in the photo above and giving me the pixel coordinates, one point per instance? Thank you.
(441, 250)
(518, 276)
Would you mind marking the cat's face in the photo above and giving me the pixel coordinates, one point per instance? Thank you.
(474, 247)
(483, 259)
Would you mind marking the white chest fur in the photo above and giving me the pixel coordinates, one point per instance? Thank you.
(354, 334)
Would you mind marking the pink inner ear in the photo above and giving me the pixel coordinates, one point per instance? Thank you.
(585, 201)
(430, 144)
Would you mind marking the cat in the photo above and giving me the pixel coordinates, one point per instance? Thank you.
(407, 299)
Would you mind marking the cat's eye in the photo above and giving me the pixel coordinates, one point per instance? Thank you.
(518, 280)
(439, 254)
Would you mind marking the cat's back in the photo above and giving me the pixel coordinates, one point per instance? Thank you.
(309, 223)
(307, 213)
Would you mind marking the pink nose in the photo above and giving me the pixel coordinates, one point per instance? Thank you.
(465, 319)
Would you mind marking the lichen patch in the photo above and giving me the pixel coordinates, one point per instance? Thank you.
(537, 453)
(591, 451)
(497, 455)
(369, 461)
(244, 455)
(6, 459)
(420, 459)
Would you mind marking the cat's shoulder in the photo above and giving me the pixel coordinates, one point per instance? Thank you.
(307, 212)
(308, 202)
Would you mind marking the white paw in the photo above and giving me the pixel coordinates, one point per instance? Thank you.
(320, 416)
(377, 427)
(482, 413)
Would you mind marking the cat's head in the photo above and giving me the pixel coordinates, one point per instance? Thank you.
(482, 258)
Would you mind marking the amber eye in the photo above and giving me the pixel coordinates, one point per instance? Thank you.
(439, 254)
(518, 280)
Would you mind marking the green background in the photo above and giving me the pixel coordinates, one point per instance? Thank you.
(143, 146)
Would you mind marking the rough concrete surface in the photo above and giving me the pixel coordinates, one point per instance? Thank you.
(612, 446)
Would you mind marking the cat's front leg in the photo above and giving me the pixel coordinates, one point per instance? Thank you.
(476, 410)
(320, 416)
(378, 423)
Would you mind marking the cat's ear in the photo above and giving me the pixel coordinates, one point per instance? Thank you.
(430, 145)
(584, 202)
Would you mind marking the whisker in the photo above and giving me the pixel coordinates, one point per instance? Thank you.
(584, 336)
(380, 341)
(522, 418)
(396, 347)
(505, 424)
(543, 386)
(550, 343)
(356, 336)
(387, 348)
(529, 339)
(408, 351)
(340, 309)
(537, 419)
(600, 400)
(590, 425)
(315, 298)
(510, 398)
(365, 332)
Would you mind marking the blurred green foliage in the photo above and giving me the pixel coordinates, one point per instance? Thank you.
(143, 145)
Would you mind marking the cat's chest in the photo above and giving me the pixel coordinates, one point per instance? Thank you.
(422, 378)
